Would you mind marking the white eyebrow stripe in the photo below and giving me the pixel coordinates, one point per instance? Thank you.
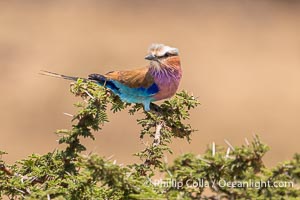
(161, 49)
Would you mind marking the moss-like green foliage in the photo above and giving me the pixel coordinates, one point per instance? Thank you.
(220, 173)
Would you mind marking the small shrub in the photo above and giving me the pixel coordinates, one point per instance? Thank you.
(220, 173)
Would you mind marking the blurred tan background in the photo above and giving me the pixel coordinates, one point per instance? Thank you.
(241, 58)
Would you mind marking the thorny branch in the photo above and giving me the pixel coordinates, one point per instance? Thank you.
(156, 142)
(9, 172)
(67, 174)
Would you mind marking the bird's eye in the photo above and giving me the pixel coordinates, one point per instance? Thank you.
(164, 55)
(168, 54)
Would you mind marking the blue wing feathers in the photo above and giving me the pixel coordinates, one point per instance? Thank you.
(126, 93)
(141, 91)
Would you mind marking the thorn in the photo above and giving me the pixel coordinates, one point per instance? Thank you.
(247, 142)
(255, 137)
(28, 191)
(48, 197)
(226, 141)
(20, 191)
(67, 114)
(115, 162)
(110, 157)
(227, 153)
(213, 149)
(204, 160)
(89, 94)
(170, 174)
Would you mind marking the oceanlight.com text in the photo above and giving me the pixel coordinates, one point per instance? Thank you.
(222, 183)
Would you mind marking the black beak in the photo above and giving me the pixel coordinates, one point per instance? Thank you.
(150, 57)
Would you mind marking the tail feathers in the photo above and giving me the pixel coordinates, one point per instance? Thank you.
(102, 80)
(56, 75)
(98, 78)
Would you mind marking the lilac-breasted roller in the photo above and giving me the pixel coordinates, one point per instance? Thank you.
(158, 80)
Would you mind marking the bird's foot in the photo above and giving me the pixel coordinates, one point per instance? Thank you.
(155, 108)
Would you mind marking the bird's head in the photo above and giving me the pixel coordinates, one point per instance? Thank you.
(160, 53)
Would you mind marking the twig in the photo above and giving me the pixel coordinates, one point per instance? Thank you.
(155, 143)
(156, 140)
